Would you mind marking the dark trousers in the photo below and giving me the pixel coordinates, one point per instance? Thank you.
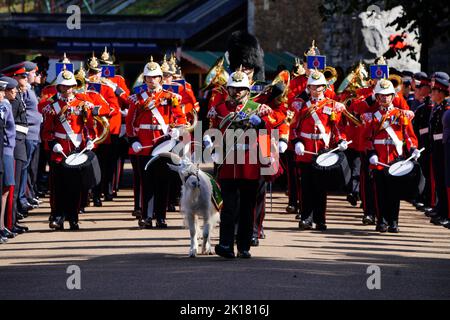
(66, 193)
(42, 177)
(19, 164)
(425, 163)
(366, 187)
(113, 164)
(354, 161)
(387, 200)
(260, 209)
(239, 200)
(122, 156)
(137, 190)
(155, 188)
(104, 155)
(438, 159)
(313, 198)
(292, 178)
(33, 171)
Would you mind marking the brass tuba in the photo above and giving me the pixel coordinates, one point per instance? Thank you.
(330, 74)
(397, 82)
(80, 77)
(217, 75)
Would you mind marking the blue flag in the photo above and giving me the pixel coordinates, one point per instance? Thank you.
(181, 81)
(94, 86)
(108, 71)
(170, 87)
(60, 66)
(379, 71)
(316, 62)
(140, 89)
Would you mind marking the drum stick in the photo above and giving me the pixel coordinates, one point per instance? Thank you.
(337, 148)
(309, 152)
(420, 151)
(383, 164)
(62, 152)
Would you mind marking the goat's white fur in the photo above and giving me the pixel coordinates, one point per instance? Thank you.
(196, 201)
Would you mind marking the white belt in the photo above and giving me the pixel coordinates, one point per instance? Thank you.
(383, 141)
(312, 136)
(78, 137)
(150, 126)
(240, 146)
(438, 136)
(22, 129)
(424, 131)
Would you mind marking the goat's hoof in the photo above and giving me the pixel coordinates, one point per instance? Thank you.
(193, 253)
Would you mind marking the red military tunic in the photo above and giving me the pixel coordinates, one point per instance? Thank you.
(379, 141)
(122, 92)
(314, 129)
(219, 95)
(231, 169)
(143, 126)
(78, 117)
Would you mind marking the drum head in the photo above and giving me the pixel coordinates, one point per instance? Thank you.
(165, 146)
(76, 159)
(327, 159)
(401, 168)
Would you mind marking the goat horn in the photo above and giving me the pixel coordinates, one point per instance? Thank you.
(176, 160)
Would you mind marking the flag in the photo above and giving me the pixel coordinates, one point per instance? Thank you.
(140, 89)
(94, 86)
(379, 71)
(170, 87)
(108, 71)
(60, 67)
(316, 62)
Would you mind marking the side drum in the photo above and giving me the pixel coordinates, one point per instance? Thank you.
(405, 178)
(331, 171)
(84, 168)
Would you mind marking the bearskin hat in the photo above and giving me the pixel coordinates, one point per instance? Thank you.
(244, 49)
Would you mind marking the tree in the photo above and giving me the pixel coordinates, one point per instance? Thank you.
(430, 17)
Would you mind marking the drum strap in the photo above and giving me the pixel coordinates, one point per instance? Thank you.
(391, 133)
(319, 124)
(156, 113)
(60, 111)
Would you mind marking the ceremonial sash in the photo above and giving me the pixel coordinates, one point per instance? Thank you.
(325, 137)
(155, 113)
(386, 126)
(72, 136)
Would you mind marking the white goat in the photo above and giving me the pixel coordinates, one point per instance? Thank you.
(195, 201)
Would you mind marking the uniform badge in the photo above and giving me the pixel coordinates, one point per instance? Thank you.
(327, 110)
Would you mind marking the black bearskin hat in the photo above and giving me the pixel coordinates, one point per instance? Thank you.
(244, 49)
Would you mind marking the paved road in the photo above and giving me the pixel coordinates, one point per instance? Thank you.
(117, 260)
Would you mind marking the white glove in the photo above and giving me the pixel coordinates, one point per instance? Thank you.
(90, 145)
(175, 133)
(124, 112)
(282, 146)
(299, 148)
(343, 145)
(416, 154)
(212, 113)
(373, 160)
(207, 142)
(264, 110)
(255, 120)
(57, 148)
(137, 147)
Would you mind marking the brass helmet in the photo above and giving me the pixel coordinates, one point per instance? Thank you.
(166, 67)
(93, 64)
(106, 58)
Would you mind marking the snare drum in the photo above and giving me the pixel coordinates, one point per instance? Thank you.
(83, 167)
(331, 171)
(166, 144)
(405, 178)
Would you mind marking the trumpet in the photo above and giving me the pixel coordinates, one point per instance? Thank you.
(216, 76)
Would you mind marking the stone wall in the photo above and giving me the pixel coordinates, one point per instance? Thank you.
(286, 25)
